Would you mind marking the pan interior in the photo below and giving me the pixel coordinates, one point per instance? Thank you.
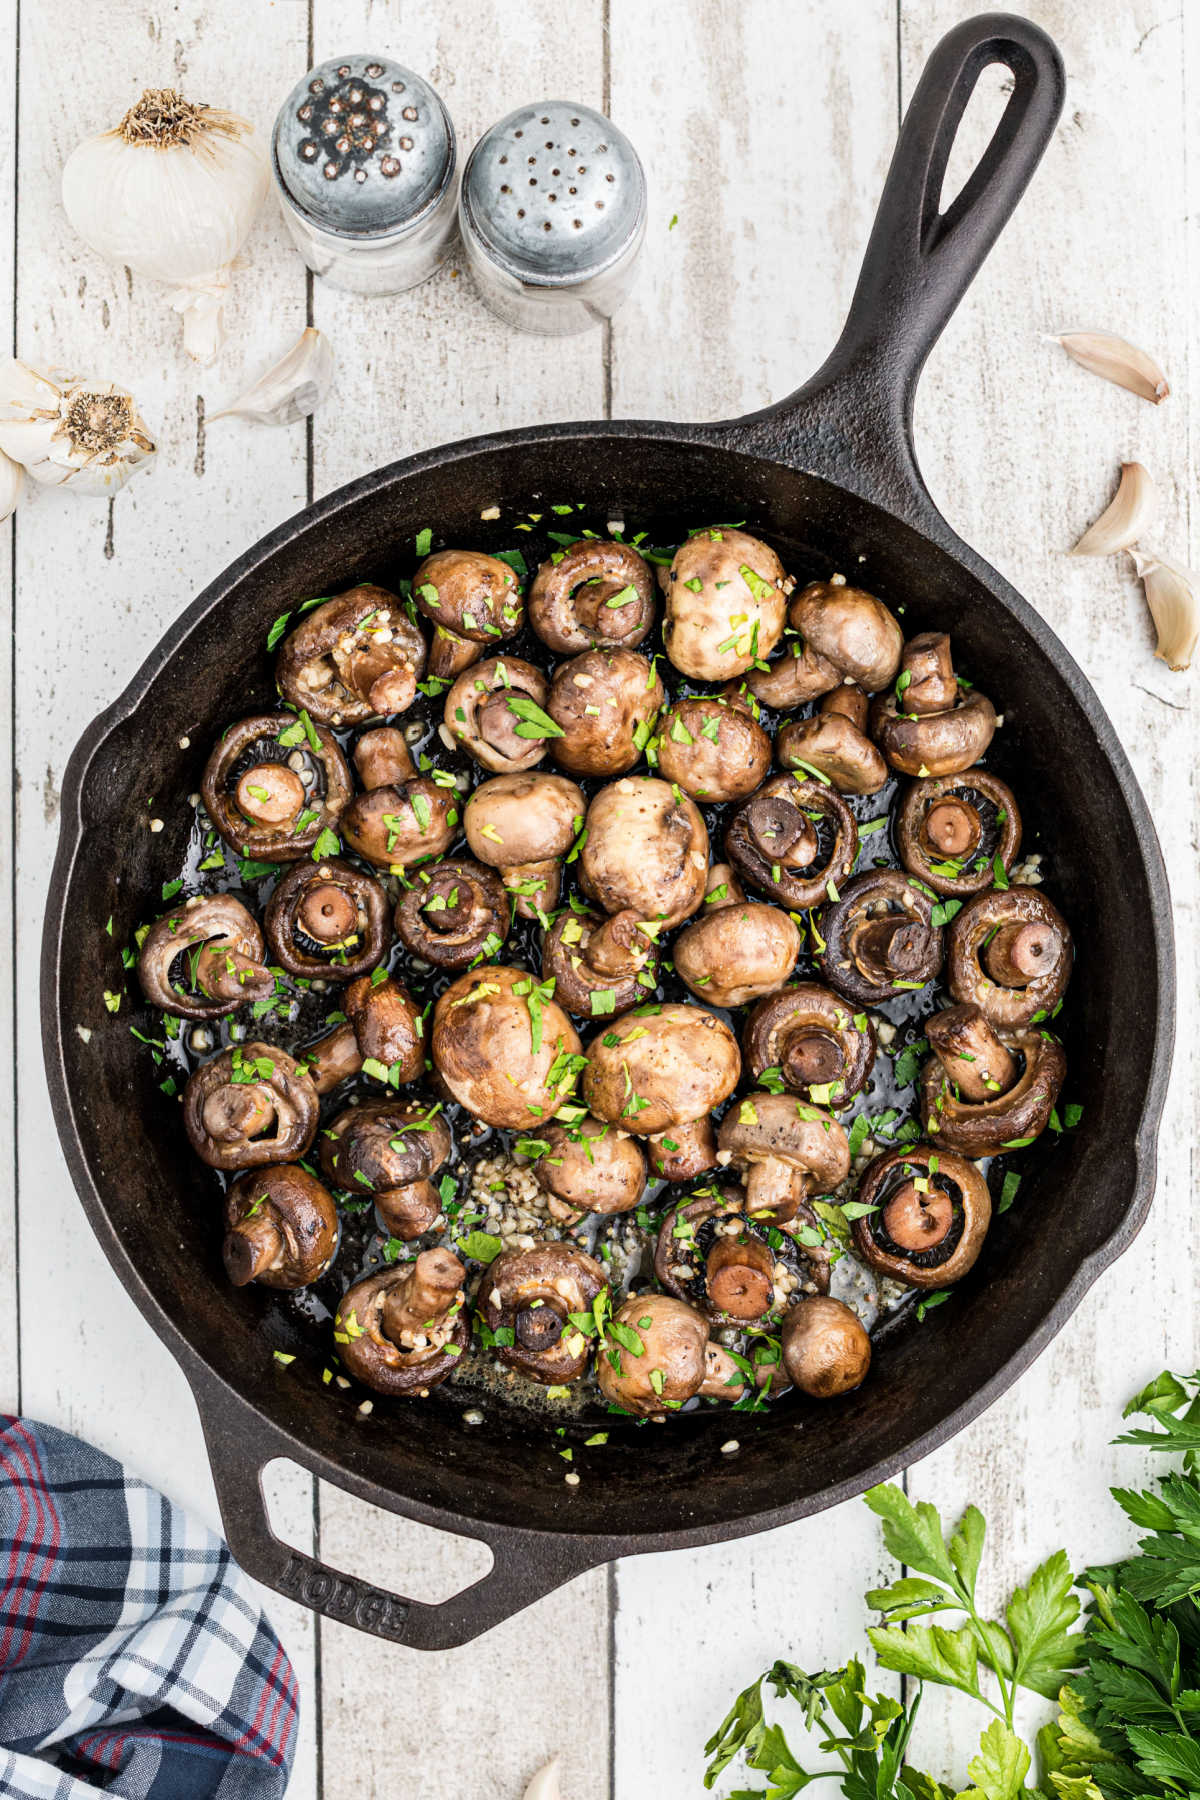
(152, 1202)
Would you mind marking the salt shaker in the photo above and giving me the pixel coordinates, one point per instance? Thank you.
(552, 215)
(364, 161)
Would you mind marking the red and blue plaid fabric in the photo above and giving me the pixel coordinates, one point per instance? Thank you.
(134, 1658)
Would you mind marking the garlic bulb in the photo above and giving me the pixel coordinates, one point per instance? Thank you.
(292, 389)
(171, 192)
(12, 485)
(68, 431)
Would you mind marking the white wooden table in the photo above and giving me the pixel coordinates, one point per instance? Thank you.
(766, 126)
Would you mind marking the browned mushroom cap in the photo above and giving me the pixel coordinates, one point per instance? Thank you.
(811, 1041)
(383, 758)
(788, 1150)
(395, 827)
(792, 840)
(328, 920)
(713, 747)
(1010, 955)
(851, 630)
(711, 1254)
(833, 746)
(796, 676)
(472, 598)
(356, 657)
(726, 594)
(403, 1330)
(951, 829)
(204, 959)
(281, 1228)
(390, 1149)
(826, 1352)
(381, 1036)
(249, 1106)
(660, 1067)
(926, 727)
(645, 850)
(879, 938)
(981, 1093)
(453, 912)
(737, 950)
(663, 1359)
(272, 786)
(495, 710)
(590, 1167)
(531, 1294)
(595, 593)
(503, 1047)
(524, 825)
(684, 1152)
(604, 703)
(600, 965)
(929, 1212)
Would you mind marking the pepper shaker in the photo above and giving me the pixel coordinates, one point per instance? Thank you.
(552, 215)
(364, 157)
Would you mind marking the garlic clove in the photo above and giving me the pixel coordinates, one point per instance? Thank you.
(12, 485)
(292, 389)
(1171, 596)
(546, 1784)
(1126, 517)
(65, 430)
(1115, 359)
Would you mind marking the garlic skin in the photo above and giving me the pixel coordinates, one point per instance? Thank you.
(12, 486)
(68, 431)
(1171, 594)
(171, 192)
(291, 389)
(546, 1784)
(1127, 516)
(1115, 359)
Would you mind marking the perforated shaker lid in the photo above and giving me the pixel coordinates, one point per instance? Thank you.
(363, 146)
(554, 193)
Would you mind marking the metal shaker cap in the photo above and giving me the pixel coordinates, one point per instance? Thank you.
(554, 194)
(363, 146)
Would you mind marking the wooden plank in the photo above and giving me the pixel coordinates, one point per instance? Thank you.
(95, 588)
(767, 131)
(9, 1298)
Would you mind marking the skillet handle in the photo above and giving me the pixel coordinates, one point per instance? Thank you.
(919, 262)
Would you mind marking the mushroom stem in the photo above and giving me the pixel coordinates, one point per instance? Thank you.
(973, 1057)
(723, 1380)
(1019, 953)
(849, 700)
(952, 827)
(781, 832)
(327, 913)
(419, 1301)
(333, 1059)
(619, 946)
(918, 1220)
(231, 1113)
(252, 1246)
(741, 1275)
(223, 973)
(383, 759)
(812, 1056)
(534, 886)
(722, 888)
(899, 946)
(933, 685)
(450, 654)
(409, 1211)
(270, 793)
(773, 1189)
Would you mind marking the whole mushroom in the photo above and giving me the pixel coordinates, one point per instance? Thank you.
(812, 1041)
(832, 746)
(982, 1093)
(738, 949)
(273, 784)
(390, 1149)
(596, 592)
(793, 840)
(205, 959)
(713, 747)
(357, 657)
(281, 1228)
(381, 1035)
(402, 822)
(853, 633)
(787, 1149)
(328, 921)
(531, 1295)
(826, 1351)
(472, 599)
(726, 593)
(927, 1212)
(589, 1167)
(879, 938)
(600, 965)
(661, 1356)
(248, 1106)
(660, 1067)
(403, 1329)
(1010, 955)
(495, 710)
(604, 703)
(453, 912)
(929, 725)
(523, 825)
(503, 1047)
(645, 851)
(954, 831)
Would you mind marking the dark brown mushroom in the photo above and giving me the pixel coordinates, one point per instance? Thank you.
(952, 828)
(589, 1167)
(281, 1228)
(531, 1294)
(850, 630)
(981, 1093)
(712, 1254)
(737, 949)
(454, 912)
(826, 1351)
(713, 747)
(473, 599)
(600, 965)
(595, 593)
(357, 657)
(812, 1041)
(659, 1067)
(205, 959)
(397, 827)
(402, 1330)
(249, 1106)
(663, 1359)
(272, 786)
(683, 1152)
(1010, 955)
(328, 920)
(523, 825)
(495, 710)
(831, 744)
(381, 1036)
(796, 676)
(928, 1214)
(390, 1149)
(792, 840)
(504, 1048)
(605, 703)
(726, 594)
(879, 939)
(788, 1150)
(645, 851)
(927, 727)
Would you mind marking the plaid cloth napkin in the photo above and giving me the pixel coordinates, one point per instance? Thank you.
(134, 1659)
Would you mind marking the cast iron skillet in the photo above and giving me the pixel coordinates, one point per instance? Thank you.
(830, 474)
